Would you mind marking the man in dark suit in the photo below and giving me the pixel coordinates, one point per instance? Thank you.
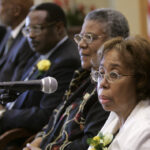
(46, 32)
(14, 48)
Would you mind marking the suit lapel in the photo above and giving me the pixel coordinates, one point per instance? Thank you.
(3, 43)
(13, 51)
(2, 47)
(16, 46)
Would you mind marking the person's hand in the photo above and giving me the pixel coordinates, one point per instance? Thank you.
(34, 145)
(31, 147)
(26, 148)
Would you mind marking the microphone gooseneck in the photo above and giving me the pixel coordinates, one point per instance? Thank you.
(9, 91)
(46, 85)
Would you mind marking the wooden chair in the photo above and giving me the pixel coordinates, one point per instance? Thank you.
(15, 139)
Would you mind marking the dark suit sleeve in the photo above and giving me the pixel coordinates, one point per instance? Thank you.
(95, 119)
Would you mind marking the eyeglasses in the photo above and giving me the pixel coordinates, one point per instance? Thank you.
(110, 77)
(36, 29)
(88, 37)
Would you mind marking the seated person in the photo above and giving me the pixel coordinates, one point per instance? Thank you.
(81, 115)
(15, 51)
(123, 88)
(46, 32)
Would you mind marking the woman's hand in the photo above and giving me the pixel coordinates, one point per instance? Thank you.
(34, 145)
(31, 147)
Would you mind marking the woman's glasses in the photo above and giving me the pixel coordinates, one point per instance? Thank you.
(87, 37)
(110, 77)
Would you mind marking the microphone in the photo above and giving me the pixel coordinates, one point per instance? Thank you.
(46, 85)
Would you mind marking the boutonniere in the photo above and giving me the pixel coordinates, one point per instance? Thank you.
(43, 65)
(100, 142)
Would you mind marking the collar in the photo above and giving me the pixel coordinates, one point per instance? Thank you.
(112, 123)
(16, 31)
(46, 56)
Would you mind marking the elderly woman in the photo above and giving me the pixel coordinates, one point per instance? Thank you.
(124, 89)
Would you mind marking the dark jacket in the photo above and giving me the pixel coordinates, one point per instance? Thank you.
(80, 116)
(2, 32)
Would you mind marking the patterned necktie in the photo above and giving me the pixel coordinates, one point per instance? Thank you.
(8, 45)
(33, 69)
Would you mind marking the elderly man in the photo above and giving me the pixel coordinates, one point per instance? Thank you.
(81, 116)
(14, 48)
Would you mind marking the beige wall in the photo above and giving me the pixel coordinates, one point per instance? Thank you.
(99, 3)
(130, 8)
(88, 3)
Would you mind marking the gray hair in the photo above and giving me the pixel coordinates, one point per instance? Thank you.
(115, 23)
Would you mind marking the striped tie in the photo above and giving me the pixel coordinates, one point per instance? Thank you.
(8, 45)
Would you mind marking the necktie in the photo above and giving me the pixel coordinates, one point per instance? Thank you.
(33, 69)
(8, 45)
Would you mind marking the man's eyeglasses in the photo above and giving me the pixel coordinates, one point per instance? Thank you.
(36, 29)
(110, 77)
(88, 37)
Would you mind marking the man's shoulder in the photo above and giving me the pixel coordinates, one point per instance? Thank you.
(69, 44)
(67, 52)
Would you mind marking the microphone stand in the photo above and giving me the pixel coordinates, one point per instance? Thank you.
(8, 96)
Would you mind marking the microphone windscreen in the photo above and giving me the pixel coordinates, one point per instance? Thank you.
(49, 85)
